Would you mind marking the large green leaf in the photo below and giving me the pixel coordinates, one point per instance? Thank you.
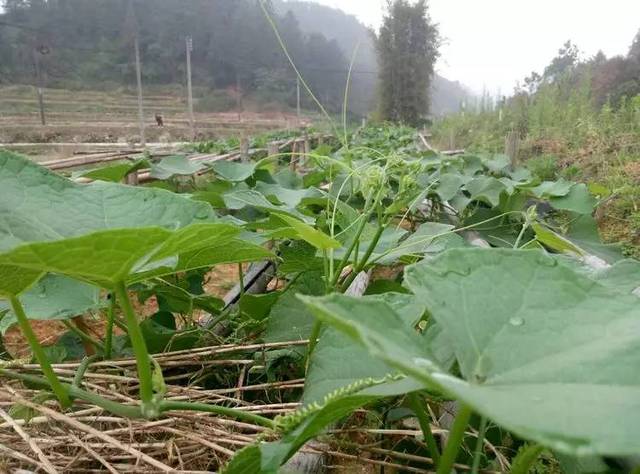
(284, 196)
(623, 276)
(54, 298)
(549, 189)
(486, 189)
(299, 256)
(572, 383)
(290, 320)
(232, 171)
(107, 257)
(38, 205)
(327, 370)
(116, 173)
(241, 197)
(178, 165)
(496, 163)
(547, 353)
(236, 250)
(583, 231)
(449, 186)
(579, 200)
(430, 237)
(305, 232)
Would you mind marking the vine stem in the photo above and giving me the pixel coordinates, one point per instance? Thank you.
(82, 369)
(456, 436)
(108, 338)
(423, 419)
(138, 345)
(313, 341)
(365, 258)
(240, 415)
(479, 444)
(526, 459)
(525, 226)
(126, 411)
(136, 412)
(325, 262)
(355, 242)
(41, 357)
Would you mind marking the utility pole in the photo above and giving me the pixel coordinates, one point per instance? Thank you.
(42, 50)
(189, 44)
(238, 98)
(298, 98)
(136, 44)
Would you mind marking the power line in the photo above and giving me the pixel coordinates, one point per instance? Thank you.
(342, 71)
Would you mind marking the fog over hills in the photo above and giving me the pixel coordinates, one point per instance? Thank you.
(350, 33)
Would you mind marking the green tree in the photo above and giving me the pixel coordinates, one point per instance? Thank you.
(563, 63)
(407, 46)
(634, 50)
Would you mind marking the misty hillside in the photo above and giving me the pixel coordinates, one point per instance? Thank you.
(84, 44)
(236, 59)
(348, 32)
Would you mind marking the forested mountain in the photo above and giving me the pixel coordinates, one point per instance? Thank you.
(89, 43)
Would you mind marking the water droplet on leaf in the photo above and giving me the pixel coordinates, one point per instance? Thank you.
(516, 322)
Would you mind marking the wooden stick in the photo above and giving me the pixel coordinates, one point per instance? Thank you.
(88, 429)
(46, 464)
(18, 455)
(85, 160)
(93, 453)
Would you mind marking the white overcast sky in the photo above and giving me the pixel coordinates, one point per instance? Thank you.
(495, 43)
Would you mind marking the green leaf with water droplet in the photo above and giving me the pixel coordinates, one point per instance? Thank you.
(557, 352)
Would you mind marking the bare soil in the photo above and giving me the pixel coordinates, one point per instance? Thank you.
(108, 117)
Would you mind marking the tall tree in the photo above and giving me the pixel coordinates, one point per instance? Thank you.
(634, 50)
(407, 46)
(563, 63)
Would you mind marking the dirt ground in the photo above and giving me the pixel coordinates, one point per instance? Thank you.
(82, 130)
(110, 117)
